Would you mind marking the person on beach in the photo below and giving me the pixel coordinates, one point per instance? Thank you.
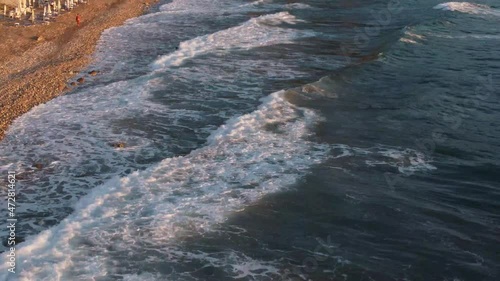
(78, 19)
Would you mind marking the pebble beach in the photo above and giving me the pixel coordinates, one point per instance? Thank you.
(38, 61)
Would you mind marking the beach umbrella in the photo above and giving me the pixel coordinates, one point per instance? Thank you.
(23, 7)
(44, 11)
(19, 9)
(4, 10)
(49, 10)
(33, 16)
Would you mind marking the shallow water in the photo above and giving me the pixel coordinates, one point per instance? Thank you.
(270, 140)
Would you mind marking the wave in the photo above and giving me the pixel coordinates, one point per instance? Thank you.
(411, 37)
(405, 161)
(270, 4)
(75, 149)
(468, 8)
(468, 36)
(197, 6)
(249, 157)
(225, 7)
(257, 32)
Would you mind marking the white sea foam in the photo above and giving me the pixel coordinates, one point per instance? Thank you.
(196, 6)
(270, 4)
(467, 36)
(468, 8)
(407, 40)
(298, 6)
(235, 264)
(414, 35)
(74, 146)
(411, 37)
(406, 161)
(257, 32)
(253, 155)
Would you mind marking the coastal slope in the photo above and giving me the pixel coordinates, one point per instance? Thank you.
(36, 62)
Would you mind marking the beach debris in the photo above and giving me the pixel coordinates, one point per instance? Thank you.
(39, 166)
(39, 38)
(80, 80)
(73, 83)
(118, 144)
(94, 72)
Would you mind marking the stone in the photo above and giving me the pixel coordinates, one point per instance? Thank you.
(80, 80)
(94, 72)
(118, 145)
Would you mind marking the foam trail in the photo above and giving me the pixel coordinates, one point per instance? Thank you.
(405, 160)
(270, 4)
(251, 156)
(411, 37)
(197, 6)
(257, 32)
(468, 36)
(468, 8)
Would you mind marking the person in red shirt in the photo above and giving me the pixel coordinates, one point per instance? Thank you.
(78, 19)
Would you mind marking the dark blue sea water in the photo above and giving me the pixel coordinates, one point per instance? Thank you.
(270, 140)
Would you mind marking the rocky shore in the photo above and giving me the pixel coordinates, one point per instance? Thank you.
(37, 61)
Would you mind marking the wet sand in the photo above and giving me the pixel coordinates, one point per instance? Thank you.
(38, 61)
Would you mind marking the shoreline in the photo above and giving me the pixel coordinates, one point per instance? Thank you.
(45, 58)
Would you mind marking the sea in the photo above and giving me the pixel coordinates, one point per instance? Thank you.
(342, 140)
